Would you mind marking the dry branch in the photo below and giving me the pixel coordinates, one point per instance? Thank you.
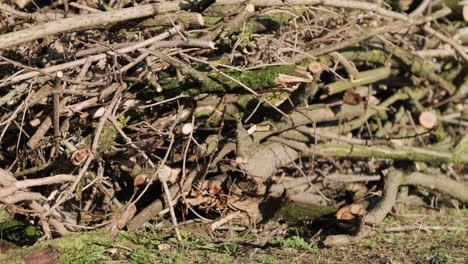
(94, 58)
(84, 22)
(422, 228)
(244, 124)
(334, 3)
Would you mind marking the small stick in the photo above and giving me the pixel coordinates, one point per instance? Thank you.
(422, 227)
(163, 179)
(86, 8)
(57, 134)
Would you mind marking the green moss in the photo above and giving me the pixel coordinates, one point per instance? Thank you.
(84, 247)
(19, 231)
(247, 33)
(459, 212)
(92, 254)
(106, 139)
(247, 101)
(141, 256)
(256, 79)
(298, 211)
(215, 122)
(5, 216)
(267, 260)
(275, 97)
(294, 244)
(204, 111)
(274, 20)
(441, 256)
(461, 149)
(210, 21)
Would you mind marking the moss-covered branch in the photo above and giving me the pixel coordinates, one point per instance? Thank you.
(256, 79)
(74, 245)
(363, 78)
(397, 58)
(360, 151)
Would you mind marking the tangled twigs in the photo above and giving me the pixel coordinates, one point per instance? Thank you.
(45, 72)
(74, 23)
(11, 188)
(455, 45)
(300, 103)
(68, 194)
(94, 58)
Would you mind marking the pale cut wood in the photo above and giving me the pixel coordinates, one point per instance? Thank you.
(428, 119)
(465, 12)
(315, 67)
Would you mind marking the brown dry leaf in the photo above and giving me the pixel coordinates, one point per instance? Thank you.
(140, 179)
(352, 98)
(132, 104)
(80, 156)
(169, 174)
(210, 194)
(245, 212)
(48, 255)
(59, 48)
(99, 113)
(250, 209)
(5, 246)
(213, 185)
(197, 200)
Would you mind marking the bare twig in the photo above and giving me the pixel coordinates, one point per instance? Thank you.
(60, 67)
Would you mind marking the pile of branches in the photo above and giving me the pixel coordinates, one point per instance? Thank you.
(112, 115)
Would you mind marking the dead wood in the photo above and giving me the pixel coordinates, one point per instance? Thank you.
(228, 113)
